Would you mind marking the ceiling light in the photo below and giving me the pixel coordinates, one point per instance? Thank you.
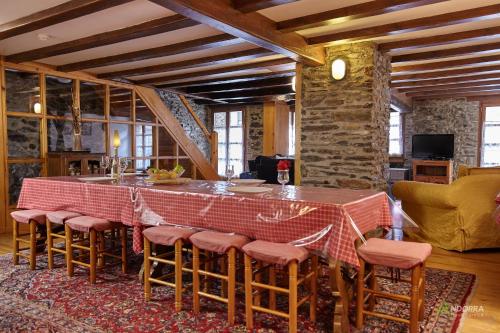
(43, 37)
(37, 108)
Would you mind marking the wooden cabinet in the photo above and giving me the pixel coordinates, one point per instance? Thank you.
(431, 171)
(71, 163)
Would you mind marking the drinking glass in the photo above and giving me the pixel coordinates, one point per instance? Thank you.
(123, 165)
(283, 179)
(229, 172)
(105, 164)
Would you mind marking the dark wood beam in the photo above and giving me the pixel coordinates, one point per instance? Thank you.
(247, 6)
(458, 90)
(464, 16)
(230, 79)
(469, 50)
(250, 93)
(193, 63)
(366, 9)
(54, 15)
(252, 27)
(448, 63)
(223, 70)
(245, 85)
(475, 95)
(153, 27)
(481, 83)
(445, 73)
(248, 100)
(434, 40)
(156, 52)
(469, 78)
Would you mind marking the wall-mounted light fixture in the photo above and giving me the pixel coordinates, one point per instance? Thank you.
(294, 80)
(339, 68)
(37, 107)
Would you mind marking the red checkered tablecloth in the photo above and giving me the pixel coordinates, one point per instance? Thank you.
(317, 218)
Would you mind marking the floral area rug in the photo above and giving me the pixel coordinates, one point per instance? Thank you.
(49, 301)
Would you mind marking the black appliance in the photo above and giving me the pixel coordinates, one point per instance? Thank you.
(265, 167)
(433, 146)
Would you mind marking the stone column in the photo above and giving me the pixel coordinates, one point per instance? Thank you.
(345, 124)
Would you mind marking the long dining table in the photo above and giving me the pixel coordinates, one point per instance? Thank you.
(325, 220)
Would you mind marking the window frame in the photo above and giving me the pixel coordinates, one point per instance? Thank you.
(482, 121)
(394, 109)
(243, 128)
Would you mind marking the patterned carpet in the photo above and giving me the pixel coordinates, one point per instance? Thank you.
(48, 301)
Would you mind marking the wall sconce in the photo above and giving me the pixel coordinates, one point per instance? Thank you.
(294, 79)
(339, 67)
(37, 108)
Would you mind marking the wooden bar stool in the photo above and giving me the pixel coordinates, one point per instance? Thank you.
(222, 244)
(394, 254)
(95, 245)
(32, 217)
(280, 255)
(54, 219)
(168, 236)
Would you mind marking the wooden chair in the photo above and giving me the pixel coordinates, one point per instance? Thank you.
(221, 244)
(168, 236)
(394, 254)
(32, 217)
(57, 219)
(95, 228)
(280, 255)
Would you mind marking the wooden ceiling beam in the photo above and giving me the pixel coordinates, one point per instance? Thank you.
(470, 95)
(444, 73)
(366, 9)
(247, 6)
(252, 27)
(156, 52)
(435, 40)
(223, 70)
(457, 51)
(458, 90)
(469, 78)
(230, 79)
(238, 86)
(230, 95)
(481, 83)
(148, 28)
(193, 63)
(446, 64)
(54, 15)
(464, 16)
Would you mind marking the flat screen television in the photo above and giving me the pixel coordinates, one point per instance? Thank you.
(433, 146)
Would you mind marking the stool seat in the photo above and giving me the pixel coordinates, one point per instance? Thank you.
(87, 223)
(167, 235)
(60, 216)
(390, 253)
(217, 241)
(275, 253)
(25, 216)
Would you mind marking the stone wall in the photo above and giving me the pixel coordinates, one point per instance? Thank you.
(187, 121)
(254, 115)
(344, 141)
(446, 116)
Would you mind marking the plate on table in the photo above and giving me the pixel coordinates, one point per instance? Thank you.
(176, 181)
(125, 174)
(248, 182)
(249, 189)
(95, 179)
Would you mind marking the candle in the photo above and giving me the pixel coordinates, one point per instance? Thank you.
(116, 139)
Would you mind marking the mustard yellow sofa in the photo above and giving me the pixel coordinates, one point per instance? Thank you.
(464, 170)
(458, 216)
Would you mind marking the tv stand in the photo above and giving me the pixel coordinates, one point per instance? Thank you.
(433, 171)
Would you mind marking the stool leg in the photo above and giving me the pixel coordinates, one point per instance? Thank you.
(15, 242)
(415, 279)
(69, 250)
(248, 293)
(32, 245)
(258, 278)
(313, 285)
(101, 247)
(272, 293)
(360, 297)
(223, 271)
(147, 269)
(93, 256)
(123, 237)
(231, 285)
(421, 295)
(292, 301)
(373, 286)
(196, 279)
(209, 268)
(50, 244)
(178, 275)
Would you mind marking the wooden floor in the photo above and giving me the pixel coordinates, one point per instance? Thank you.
(485, 264)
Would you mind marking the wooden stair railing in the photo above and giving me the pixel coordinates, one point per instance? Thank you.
(153, 101)
(211, 137)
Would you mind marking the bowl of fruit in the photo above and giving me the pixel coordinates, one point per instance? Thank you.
(163, 176)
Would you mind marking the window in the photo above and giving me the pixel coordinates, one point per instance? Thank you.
(143, 146)
(490, 155)
(291, 133)
(395, 146)
(229, 126)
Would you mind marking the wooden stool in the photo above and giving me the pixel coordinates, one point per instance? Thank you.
(58, 218)
(281, 255)
(169, 236)
(95, 228)
(32, 217)
(219, 243)
(394, 254)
